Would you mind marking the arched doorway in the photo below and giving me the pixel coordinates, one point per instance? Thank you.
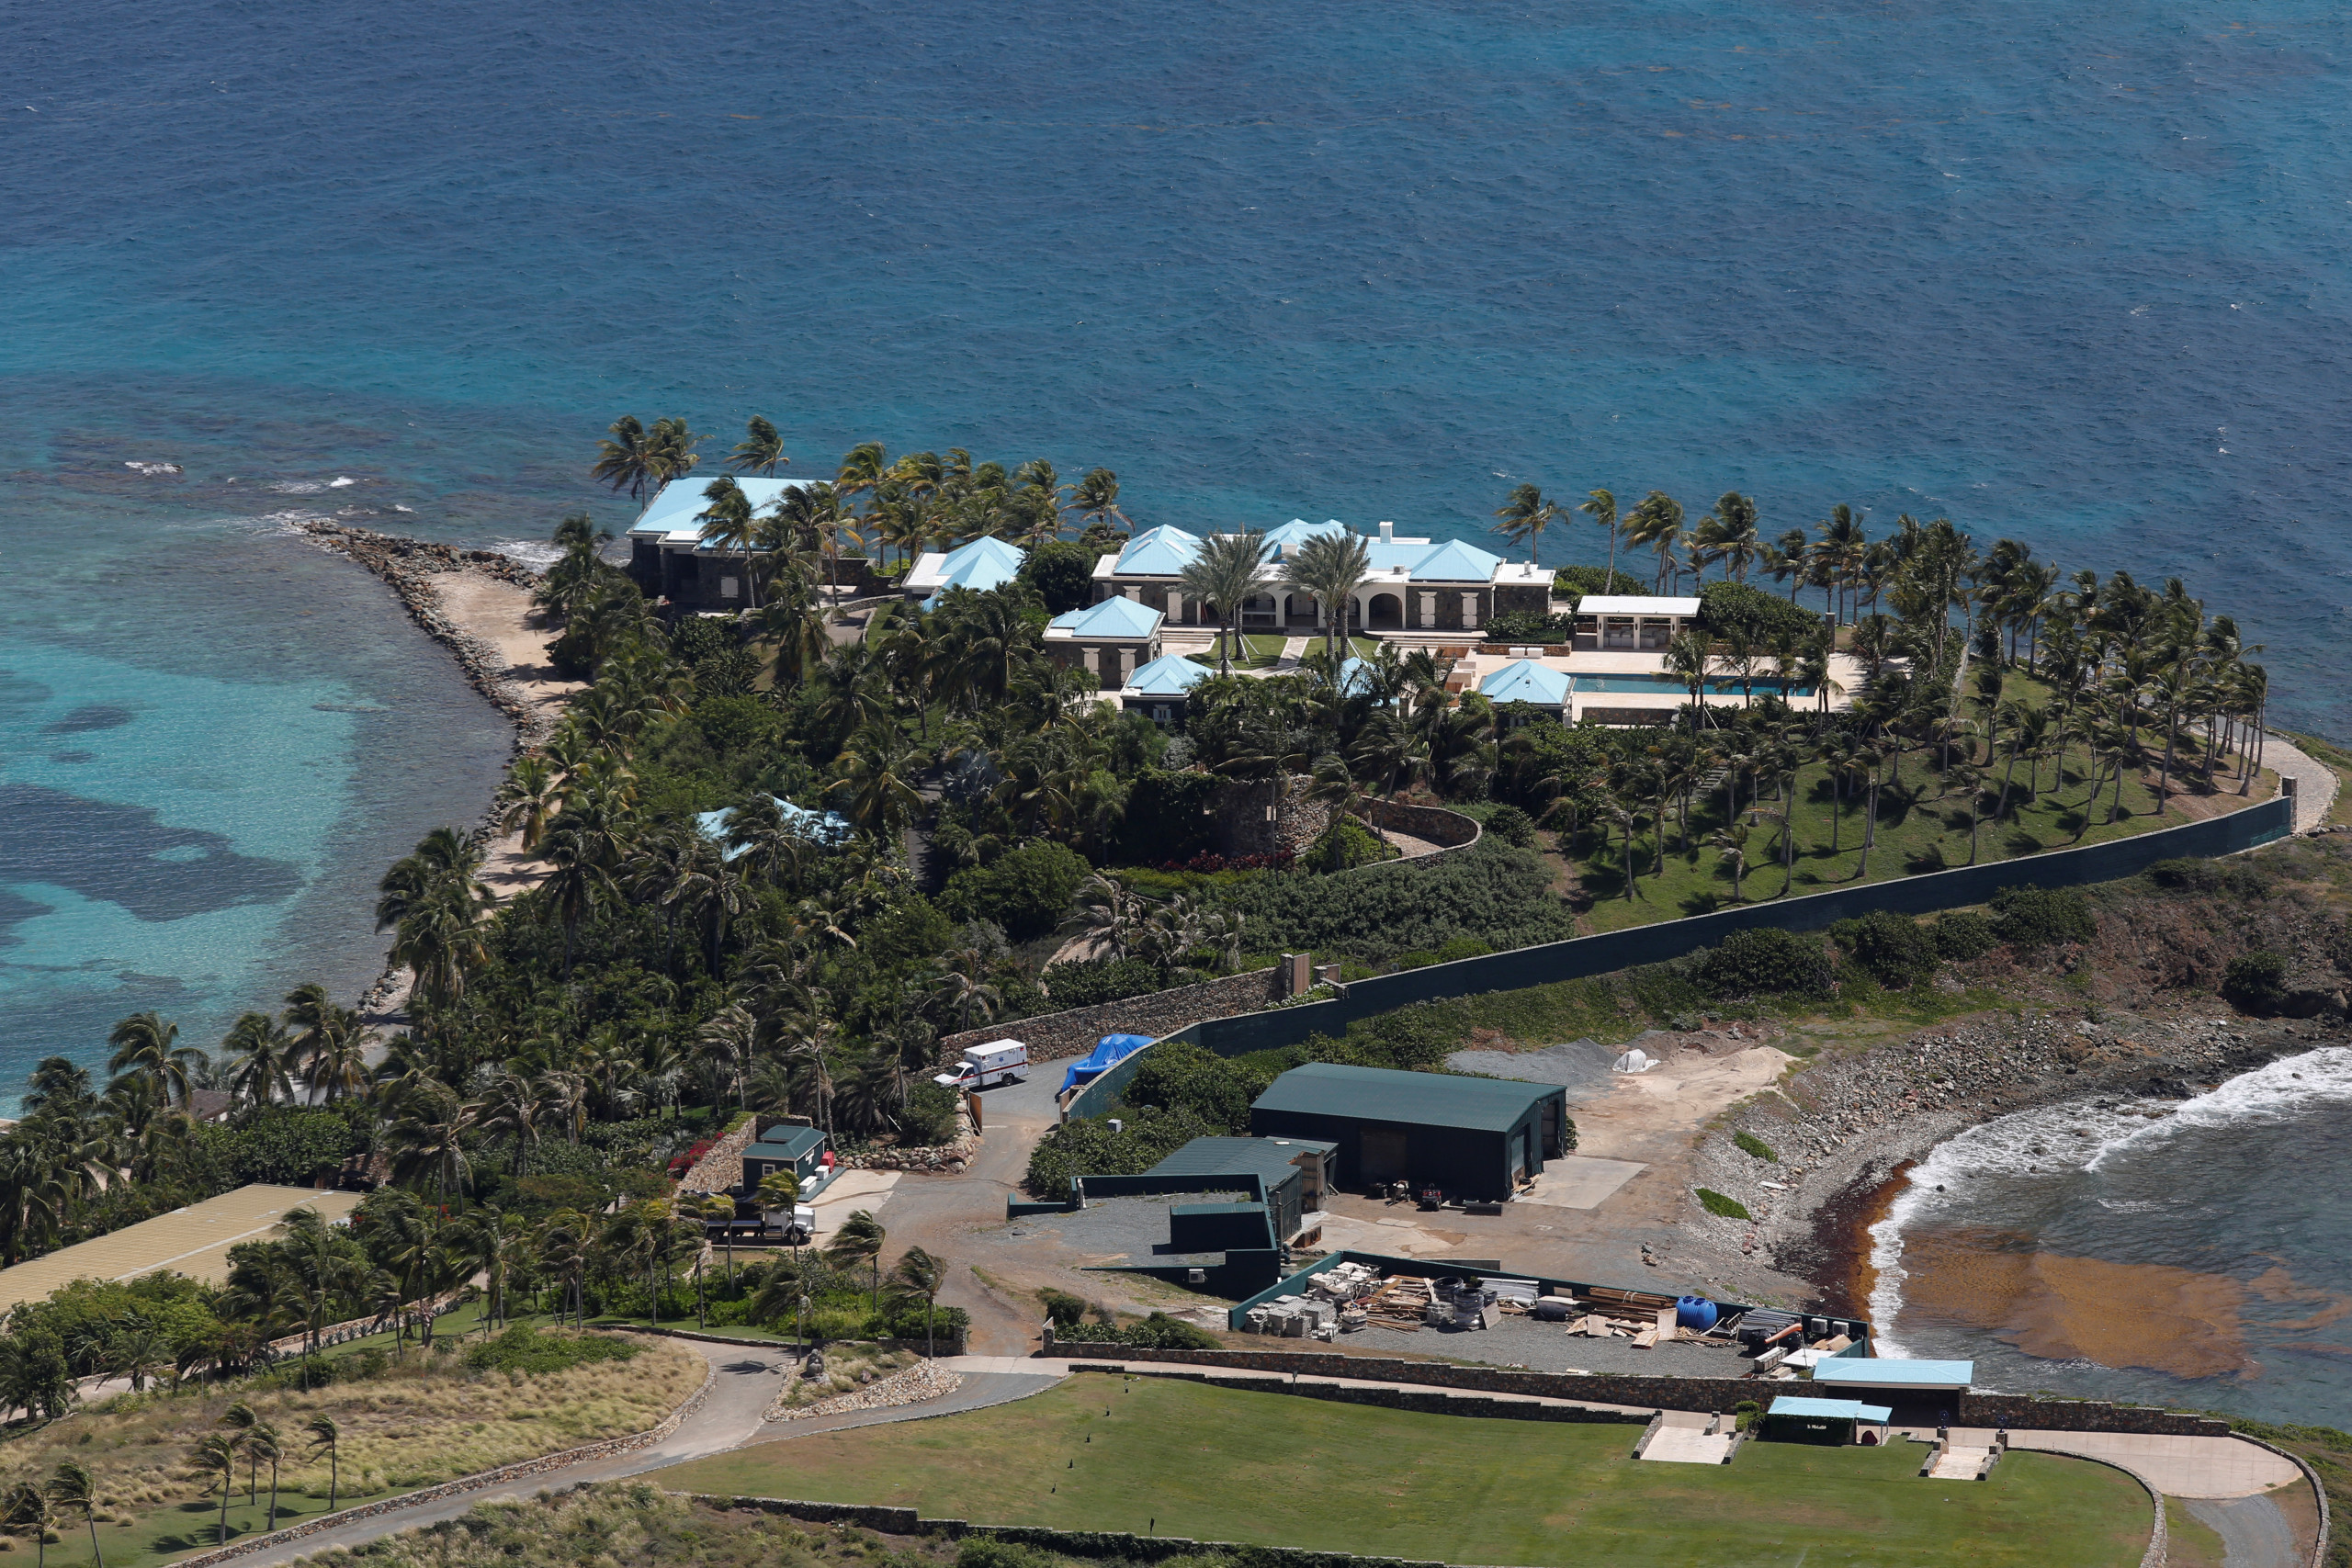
(1385, 611)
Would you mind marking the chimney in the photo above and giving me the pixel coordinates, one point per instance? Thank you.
(1388, 532)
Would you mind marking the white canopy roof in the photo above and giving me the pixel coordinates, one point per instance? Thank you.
(1635, 604)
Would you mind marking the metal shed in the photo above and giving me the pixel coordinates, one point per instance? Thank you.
(1475, 1138)
(1292, 1172)
(795, 1149)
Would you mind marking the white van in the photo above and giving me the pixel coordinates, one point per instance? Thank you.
(999, 1061)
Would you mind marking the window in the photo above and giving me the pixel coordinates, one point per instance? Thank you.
(728, 587)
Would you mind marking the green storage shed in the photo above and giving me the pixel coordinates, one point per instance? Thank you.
(1475, 1138)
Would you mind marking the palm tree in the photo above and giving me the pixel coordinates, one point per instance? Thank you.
(1525, 516)
(919, 1274)
(74, 1490)
(761, 449)
(25, 1506)
(145, 1044)
(859, 1239)
(727, 525)
(1657, 522)
(1602, 509)
(1730, 842)
(324, 1434)
(1223, 575)
(1096, 498)
(1687, 657)
(261, 1058)
(242, 1420)
(1331, 567)
(625, 460)
(262, 1443)
(528, 799)
(1729, 534)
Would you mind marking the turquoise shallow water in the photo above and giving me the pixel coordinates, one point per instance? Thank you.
(2075, 276)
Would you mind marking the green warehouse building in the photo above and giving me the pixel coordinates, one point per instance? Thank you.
(1475, 1138)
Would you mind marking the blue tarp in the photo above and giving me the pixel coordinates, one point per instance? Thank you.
(1108, 1053)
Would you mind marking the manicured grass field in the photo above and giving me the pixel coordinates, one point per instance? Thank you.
(1216, 1464)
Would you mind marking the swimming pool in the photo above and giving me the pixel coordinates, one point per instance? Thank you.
(1586, 685)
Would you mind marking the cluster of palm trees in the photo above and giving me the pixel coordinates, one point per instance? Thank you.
(1329, 566)
(35, 1505)
(244, 1436)
(1992, 666)
(1726, 534)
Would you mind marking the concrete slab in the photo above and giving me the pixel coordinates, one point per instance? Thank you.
(1579, 1181)
(1959, 1463)
(849, 1193)
(1685, 1445)
(2179, 1467)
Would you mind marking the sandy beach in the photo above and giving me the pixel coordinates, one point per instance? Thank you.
(477, 604)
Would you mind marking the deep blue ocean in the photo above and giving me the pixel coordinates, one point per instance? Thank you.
(2077, 278)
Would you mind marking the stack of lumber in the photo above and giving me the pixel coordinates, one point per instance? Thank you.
(1397, 1302)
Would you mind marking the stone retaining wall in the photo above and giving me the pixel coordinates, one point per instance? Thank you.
(1077, 1543)
(721, 1166)
(1053, 1035)
(950, 1158)
(1427, 1401)
(520, 1471)
(1677, 1394)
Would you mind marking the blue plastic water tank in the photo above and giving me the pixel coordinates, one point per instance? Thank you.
(1696, 1312)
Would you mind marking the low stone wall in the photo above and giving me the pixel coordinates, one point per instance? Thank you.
(1052, 1035)
(1076, 1543)
(948, 1159)
(1679, 1394)
(464, 1484)
(1427, 1401)
(1452, 832)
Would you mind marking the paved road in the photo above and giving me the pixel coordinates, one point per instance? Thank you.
(747, 1381)
(2253, 1533)
(2316, 782)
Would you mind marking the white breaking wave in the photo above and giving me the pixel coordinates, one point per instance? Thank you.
(297, 487)
(2055, 1140)
(530, 552)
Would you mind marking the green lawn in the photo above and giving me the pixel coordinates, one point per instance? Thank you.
(1216, 1464)
(1923, 825)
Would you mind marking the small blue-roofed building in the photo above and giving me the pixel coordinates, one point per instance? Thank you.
(798, 1150)
(667, 557)
(1832, 1422)
(981, 565)
(1161, 691)
(1114, 639)
(1924, 1393)
(1537, 685)
(828, 829)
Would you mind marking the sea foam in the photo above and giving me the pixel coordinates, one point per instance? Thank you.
(2081, 1138)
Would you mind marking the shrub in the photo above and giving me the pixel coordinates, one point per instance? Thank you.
(1493, 892)
(1892, 949)
(1085, 1145)
(1064, 1310)
(1344, 845)
(1168, 816)
(1721, 1206)
(931, 1115)
(1087, 981)
(524, 1349)
(1766, 961)
(1740, 609)
(2041, 917)
(1573, 582)
(1963, 935)
(2243, 879)
(1176, 1074)
(1458, 948)
(1062, 573)
(2257, 981)
(1750, 1143)
(1512, 826)
(1527, 625)
(280, 1145)
(1026, 891)
(1158, 1332)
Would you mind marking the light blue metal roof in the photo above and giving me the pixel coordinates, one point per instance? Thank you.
(1170, 675)
(1298, 531)
(980, 566)
(1158, 552)
(1392, 556)
(1454, 561)
(1111, 619)
(827, 828)
(1835, 1409)
(672, 514)
(1524, 680)
(1869, 1371)
(1355, 678)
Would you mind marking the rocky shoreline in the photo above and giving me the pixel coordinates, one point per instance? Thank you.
(408, 566)
(1848, 1128)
